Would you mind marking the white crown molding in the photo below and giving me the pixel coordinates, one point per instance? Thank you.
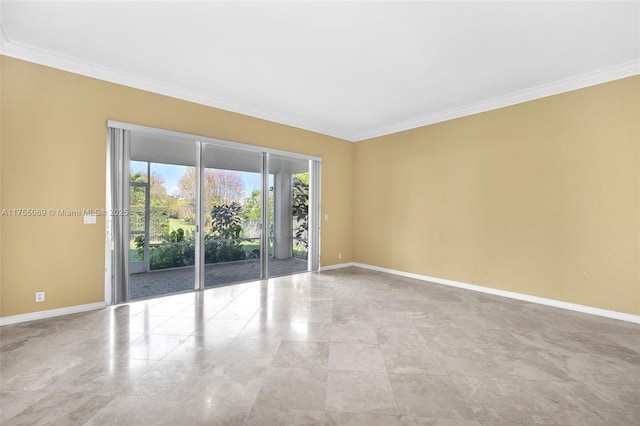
(54, 60)
(36, 55)
(605, 75)
(510, 294)
(33, 316)
(4, 39)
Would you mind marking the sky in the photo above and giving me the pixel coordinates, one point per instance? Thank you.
(172, 174)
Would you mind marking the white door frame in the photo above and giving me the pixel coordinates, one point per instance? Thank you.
(117, 265)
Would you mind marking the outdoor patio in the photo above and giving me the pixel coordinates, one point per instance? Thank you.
(174, 280)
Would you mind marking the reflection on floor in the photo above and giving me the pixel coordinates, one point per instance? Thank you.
(175, 280)
(348, 346)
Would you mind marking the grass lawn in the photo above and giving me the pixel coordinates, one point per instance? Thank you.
(248, 247)
(174, 224)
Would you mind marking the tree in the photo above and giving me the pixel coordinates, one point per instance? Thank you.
(137, 202)
(157, 189)
(251, 205)
(222, 243)
(221, 187)
(162, 205)
(158, 192)
(227, 220)
(300, 206)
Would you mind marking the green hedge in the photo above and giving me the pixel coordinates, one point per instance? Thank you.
(183, 254)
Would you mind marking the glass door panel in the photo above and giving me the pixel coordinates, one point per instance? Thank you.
(206, 213)
(162, 221)
(138, 256)
(231, 210)
(289, 215)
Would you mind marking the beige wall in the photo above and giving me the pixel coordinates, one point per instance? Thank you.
(53, 155)
(540, 198)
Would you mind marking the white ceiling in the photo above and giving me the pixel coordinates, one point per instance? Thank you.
(354, 70)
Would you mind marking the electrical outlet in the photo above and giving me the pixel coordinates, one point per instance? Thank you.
(39, 296)
(339, 255)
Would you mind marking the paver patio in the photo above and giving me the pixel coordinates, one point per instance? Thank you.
(174, 280)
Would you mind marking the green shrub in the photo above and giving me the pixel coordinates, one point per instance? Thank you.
(216, 251)
(171, 256)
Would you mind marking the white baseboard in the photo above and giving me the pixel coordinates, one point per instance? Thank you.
(512, 295)
(32, 316)
(337, 266)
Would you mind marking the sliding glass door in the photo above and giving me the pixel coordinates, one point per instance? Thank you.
(232, 210)
(204, 213)
(288, 215)
(162, 215)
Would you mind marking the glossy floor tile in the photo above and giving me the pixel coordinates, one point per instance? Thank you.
(345, 347)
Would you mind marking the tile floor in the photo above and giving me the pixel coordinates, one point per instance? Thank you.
(350, 347)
